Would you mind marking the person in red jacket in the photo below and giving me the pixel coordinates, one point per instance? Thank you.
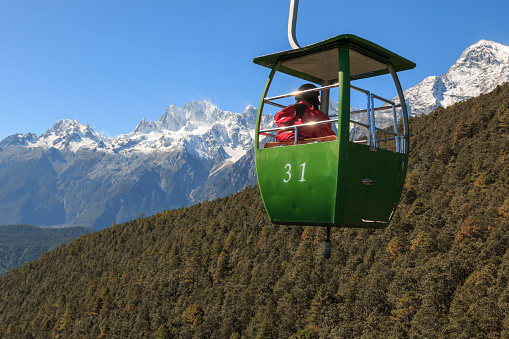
(305, 110)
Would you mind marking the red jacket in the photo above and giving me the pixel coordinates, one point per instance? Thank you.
(287, 117)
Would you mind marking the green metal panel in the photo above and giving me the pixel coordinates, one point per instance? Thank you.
(356, 168)
(298, 183)
(372, 206)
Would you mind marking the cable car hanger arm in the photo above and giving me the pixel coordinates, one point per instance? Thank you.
(292, 23)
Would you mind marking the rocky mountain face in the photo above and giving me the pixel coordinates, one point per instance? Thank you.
(480, 68)
(73, 176)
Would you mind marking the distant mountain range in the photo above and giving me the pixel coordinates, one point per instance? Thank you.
(73, 176)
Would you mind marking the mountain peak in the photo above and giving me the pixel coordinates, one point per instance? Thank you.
(145, 126)
(173, 119)
(483, 53)
(480, 68)
(19, 139)
(67, 131)
(250, 113)
(201, 111)
(67, 126)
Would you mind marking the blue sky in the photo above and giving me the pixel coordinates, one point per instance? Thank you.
(111, 63)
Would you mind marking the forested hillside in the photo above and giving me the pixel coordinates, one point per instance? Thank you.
(20, 244)
(220, 269)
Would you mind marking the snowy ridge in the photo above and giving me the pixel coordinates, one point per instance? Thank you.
(71, 175)
(480, 68)
(199, 127)
(69, 134)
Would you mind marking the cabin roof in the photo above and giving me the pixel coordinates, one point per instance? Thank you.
(319, 61)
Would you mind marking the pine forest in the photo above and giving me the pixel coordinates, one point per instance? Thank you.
(220, 269)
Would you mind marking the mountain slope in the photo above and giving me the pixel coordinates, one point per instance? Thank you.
(20, 244)
(480, 68)
(220, 270)
(72, 176)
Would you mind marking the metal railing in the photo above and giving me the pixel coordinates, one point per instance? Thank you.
(296, 128)
(371, 140)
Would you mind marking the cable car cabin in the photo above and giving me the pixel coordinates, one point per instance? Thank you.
(327, 181)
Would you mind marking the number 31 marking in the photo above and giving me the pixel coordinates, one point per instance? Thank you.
(289, 169)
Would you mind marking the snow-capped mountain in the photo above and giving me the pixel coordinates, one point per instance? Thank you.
(480, 68)
(201, 127)
(71, 175)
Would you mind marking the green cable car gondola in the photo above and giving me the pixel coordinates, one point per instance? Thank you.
(328, 182)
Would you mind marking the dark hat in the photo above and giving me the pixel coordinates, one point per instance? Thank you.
(311, 97)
